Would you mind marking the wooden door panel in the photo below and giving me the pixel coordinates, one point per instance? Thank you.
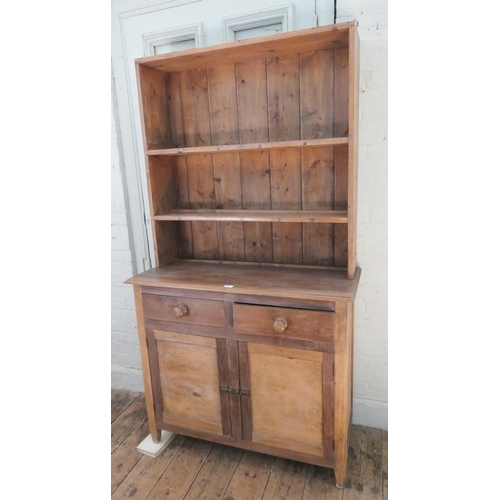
(189, 381)
(286, 388)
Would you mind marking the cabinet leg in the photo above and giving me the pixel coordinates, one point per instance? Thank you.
(340, 475)
(155, 433)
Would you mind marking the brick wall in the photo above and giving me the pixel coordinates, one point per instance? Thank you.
(125, 356)
(370, 348)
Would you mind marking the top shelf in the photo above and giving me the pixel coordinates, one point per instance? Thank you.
(228, 148)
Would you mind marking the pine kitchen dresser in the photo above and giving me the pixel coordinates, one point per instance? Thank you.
(246, 322)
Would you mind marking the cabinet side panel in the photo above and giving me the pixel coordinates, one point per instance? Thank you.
(154, 108)
(227, 187)
(341, 92)
(317, 194)
(340, 203)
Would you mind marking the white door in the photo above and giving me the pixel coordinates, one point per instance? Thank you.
(143, 27)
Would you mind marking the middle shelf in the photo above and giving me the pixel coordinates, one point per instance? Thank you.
(318, 216)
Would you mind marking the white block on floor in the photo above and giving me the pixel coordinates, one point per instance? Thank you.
(148, 447)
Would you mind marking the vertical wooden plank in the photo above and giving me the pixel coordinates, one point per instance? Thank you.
(353, 149)
(251, 476)
(340, 203)
(316, 94)
(287, 480)
(320, 485)
(153, 108)
(251, 89)
(224, 385)
(234, 386)
(178, 477)
(342, 391)
(185, 229)
(341, 92)
(216, 474)
(286, 194)
(283, 92)
(256, 195)
(201, 195)
(143, 477)
(195, 110)
(246, 397)
(146, 374)
(222, 99)
(173, 85)
(328, 437)
(161, 180)
(227, 186)
(317, 194)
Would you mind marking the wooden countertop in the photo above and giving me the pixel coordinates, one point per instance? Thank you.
(253, 279)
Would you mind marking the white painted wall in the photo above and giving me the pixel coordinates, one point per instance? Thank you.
(371, 323)
(370, 352)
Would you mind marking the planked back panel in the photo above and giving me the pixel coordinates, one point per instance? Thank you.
(300, 95)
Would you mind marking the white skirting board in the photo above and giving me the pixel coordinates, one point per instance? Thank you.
(147, 447)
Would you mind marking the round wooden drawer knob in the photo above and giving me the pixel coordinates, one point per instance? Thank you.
(180, 311)
(280, 325)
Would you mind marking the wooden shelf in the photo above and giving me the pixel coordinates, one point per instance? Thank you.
(317, 216)
(335, 141)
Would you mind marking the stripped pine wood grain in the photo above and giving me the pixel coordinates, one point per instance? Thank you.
(227, 188)
(316, 94)
(256, 195)
(173, 89)
(195, 107)
(286, 194)
(317, 194)
(185, 228)
(201, 195)
(340, 201)
(283, 94)
(222, 100)
(256, 146)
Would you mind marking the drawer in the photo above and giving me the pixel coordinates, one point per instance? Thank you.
(301, 324)
(184, 310)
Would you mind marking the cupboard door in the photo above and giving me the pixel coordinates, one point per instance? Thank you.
(186, 380)
(291, 394)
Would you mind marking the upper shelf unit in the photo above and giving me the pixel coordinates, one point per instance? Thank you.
(249, 142)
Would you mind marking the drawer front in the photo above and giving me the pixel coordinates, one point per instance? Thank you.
(300, 324)
(184, 310)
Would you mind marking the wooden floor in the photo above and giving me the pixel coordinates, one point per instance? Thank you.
(194, 469)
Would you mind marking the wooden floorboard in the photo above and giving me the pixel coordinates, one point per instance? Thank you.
(192, 469)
